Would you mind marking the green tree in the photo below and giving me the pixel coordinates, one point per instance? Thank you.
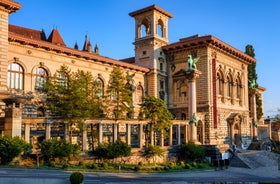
(252, 73)
(252, 76)
(159, 117)
(11, 148)
(72, 96)
(119, 95)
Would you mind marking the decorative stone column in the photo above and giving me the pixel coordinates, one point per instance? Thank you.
(141, 135)
(115, 131)
(171, 136)
(179, 134)
(100, 133)
(48, 129)
(191, 76)
(66, 132)
(254, 115)
(128, 134)
(161, 138)
(84, 138)
(27, 132)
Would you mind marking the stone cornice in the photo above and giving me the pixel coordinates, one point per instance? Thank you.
(10, 6)
(72, 52)
(185, 43)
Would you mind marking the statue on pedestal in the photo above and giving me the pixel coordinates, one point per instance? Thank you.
(192, 63)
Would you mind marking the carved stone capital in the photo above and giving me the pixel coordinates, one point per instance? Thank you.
(192, 74)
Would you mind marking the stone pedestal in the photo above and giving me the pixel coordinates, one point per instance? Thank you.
(13, 119)
(254, 115)
(191, 76)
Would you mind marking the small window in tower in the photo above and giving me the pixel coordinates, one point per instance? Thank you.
(160, 28)
(144, 52)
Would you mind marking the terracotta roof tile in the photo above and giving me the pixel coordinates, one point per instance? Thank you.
(29, 33)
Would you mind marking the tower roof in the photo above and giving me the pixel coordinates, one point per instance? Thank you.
(55, 38)
(151, 8)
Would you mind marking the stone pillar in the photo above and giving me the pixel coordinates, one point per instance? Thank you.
(186, 133)
(84, 138)
(66, 132)
(48, 129)
(100, 133)
(27, 132)
(191, 76)
(171, 136)
(128, 134)
(115, 131)
(254, 115)
(162, 138)
(179, 134)
(141, 135)
(13, 119)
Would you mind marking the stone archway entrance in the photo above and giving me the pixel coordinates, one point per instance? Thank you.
(234, 126)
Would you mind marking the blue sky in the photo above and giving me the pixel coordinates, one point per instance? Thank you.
(107, 23)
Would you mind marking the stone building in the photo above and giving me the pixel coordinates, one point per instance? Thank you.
(218, 92)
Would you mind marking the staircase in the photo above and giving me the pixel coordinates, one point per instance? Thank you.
(254, 159)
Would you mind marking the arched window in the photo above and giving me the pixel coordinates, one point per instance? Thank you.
(160, 28)
(219, 84)
(39, 76)
(99, 87)
(139, 94)
(145, 29)
(238, 88)
(15, 76)
(229, 86)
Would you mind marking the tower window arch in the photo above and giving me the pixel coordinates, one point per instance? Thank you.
(145, 28)
(39, 77)
(15, 76)
(160, 31)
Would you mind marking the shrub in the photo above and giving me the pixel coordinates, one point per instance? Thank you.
(11, 148)
(105, 165)
(190, 152)
(53, 148)
(76, 178)
(137, 168)
(188, 166)
(153, 151)
(94, 166)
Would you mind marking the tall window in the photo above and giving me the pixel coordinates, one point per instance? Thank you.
(160, 28)
(229, 86)
(139, 94)
(219, 84)
(39, 77)
(15, 76)
(238, 88)
(99, 87)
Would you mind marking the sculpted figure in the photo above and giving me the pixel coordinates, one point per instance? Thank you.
(252, 84)
(192, 62)
(194, 119)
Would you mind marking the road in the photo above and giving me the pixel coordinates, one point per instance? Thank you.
(230, 175)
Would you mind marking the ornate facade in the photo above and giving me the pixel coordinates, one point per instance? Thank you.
(221, 93)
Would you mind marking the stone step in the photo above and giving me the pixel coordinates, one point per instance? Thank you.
(255, 159)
